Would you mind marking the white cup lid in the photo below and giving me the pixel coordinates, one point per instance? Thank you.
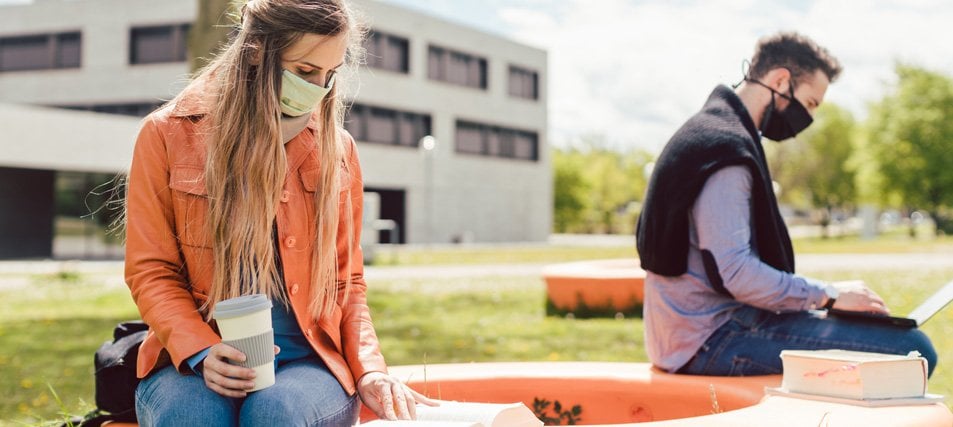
(240, 306)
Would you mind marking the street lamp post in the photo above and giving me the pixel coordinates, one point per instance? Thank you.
(429, 144)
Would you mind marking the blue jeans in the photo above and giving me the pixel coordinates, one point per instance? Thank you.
(751, 341)
(305, 394)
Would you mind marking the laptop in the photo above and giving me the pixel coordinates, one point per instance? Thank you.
(916, 318)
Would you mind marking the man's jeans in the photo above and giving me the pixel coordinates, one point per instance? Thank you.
(751, 341)
(304, 394)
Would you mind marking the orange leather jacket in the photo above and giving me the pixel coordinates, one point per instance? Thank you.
(169, 256)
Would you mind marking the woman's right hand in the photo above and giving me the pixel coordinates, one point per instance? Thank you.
(224, 378)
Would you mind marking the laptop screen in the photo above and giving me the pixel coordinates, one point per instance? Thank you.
(933, 305)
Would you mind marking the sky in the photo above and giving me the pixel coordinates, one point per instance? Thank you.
(633, 71)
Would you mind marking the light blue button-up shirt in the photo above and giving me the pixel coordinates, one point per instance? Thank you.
(681, 312)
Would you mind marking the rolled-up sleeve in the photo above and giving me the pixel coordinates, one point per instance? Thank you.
(722, 218)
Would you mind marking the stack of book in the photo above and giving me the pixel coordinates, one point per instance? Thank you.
(859, 378)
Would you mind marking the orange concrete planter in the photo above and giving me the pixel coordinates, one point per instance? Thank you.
(621, 393)
(637, 395)
(595, 288)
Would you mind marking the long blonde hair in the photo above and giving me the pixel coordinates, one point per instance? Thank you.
(246, 167)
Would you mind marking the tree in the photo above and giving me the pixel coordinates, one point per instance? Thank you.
(569, 199)
(596, 187)
(815, 169)
(214, 23)
(831, 179)
(910, 134)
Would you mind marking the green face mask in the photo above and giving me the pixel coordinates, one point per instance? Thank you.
(298, 97)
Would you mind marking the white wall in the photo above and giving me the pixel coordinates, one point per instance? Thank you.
(57, 139)
(490, 199)
(483, 198)
(105, 75)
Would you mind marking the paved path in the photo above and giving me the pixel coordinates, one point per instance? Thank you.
(21, 273)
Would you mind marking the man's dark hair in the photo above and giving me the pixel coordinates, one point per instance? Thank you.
(798, 53)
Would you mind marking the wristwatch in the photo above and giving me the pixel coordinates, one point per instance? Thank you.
(832, 294)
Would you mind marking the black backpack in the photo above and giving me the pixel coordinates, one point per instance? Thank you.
(116, 379)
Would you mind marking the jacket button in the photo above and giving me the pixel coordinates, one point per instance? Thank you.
(290, 241)
(294, 289)
(285, 196)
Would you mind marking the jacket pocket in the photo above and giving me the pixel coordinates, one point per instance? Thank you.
(190, 205)
(311, 178)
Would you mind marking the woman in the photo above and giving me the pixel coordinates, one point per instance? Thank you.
(246, 183)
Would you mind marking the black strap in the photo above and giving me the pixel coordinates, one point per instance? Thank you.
(711, 270)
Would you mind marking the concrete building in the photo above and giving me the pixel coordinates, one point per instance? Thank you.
(484, 176)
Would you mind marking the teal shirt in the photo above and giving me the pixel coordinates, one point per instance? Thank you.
(288, 337)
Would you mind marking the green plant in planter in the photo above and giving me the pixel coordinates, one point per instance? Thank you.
(585, 311)
(571, 416)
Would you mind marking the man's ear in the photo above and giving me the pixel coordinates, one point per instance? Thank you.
(779, 79)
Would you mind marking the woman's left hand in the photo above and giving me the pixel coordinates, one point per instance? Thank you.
(389, 398)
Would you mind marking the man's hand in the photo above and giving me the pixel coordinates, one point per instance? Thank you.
(856, 296)
(389, 398)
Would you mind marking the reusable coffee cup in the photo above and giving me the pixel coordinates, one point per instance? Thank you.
(245, 323)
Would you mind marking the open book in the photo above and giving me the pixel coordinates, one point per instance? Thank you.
(854, 374)
(464, 414)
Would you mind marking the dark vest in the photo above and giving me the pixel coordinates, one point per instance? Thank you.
(721, 134)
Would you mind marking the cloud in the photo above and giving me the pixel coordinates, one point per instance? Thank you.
(635, 71)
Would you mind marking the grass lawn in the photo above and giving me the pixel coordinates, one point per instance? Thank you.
(49, 330)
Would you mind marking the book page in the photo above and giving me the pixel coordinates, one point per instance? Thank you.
(418, 423)
(488, 414)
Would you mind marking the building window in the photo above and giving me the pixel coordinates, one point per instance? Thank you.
(496, 141)
(150, 45)
(86, 208)
(524, 83)
(456, 67)
(138, 109)
(386, 126)
(40, 51)
(388, 52)
(68, 50)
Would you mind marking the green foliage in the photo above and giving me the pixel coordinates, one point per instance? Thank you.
(815, 170)
(909, 133)
(215, 20)
(831, 141)
(571, 188)
(597, 189)
(571, 416)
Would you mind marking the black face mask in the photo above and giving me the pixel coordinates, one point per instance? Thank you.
(780, 125)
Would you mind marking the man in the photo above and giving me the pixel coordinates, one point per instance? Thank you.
(721, 296)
